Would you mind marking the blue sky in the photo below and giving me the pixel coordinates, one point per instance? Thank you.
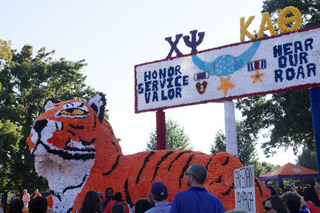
(113, 36)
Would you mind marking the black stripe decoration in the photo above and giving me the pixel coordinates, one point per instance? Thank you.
(146, 160)
(216, 181)
(95, 121)
(159, 163)
(66, 153)
(185, 169)
(113, 167)
(226, 162)
(113, 143)
(178, 156)
(56, 195)
(72, 133)
(126, 191)
(110, 129)
(228, 191)
(76, 127)
(258, 185)
(69, 210)
(77, 186)
(210, 161)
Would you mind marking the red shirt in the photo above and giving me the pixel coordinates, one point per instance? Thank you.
(111, 203)
(312, 207)
(37, 194)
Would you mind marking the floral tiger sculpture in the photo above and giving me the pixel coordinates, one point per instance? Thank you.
(75, 149)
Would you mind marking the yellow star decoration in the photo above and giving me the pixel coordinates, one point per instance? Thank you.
(257, 76)
(225, 85)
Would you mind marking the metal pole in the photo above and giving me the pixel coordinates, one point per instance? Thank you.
(230, 128)
(161, 130)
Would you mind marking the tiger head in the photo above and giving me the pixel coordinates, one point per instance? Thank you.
(67, 136)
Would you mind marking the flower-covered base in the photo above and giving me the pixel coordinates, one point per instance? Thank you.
(76, 150)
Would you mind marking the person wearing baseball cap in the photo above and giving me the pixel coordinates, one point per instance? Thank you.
(272, 190)
(159, 193)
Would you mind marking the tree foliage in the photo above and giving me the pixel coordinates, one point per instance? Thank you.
(27, 82)
(246, 149)
(307, 159)
(245, 142)
(286, 116)
(175, 136)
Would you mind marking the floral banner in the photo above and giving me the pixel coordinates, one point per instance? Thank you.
(268, 65)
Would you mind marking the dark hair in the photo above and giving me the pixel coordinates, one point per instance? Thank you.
(309, 194)
(157, 198)
(117, 196)
(38, 205)
(199, 172)
(91, 203)
(142, 205)
(293, 202)
(277, 204)
(109, 189)
(15, 206)
(118, 208)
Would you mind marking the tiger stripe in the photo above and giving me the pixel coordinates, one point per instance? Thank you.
(114, 166)
(146, 160)
(186, 166)
(159, 163)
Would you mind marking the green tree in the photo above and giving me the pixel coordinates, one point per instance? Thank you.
(245, 142)
(246, 149)
(175, 136)
(286, 116)
(307, 159)
(27, 82)
(262, 168)
(10, 134)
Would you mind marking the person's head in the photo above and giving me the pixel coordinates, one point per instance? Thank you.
(310, 194)
(317, 186)
(38, 205)
(25, 191)
(91, 203)
(15, 206)
(293, 202)
(159, 191)
(117, 196)
(142, 205)
(150, 198)
(269, 183)
(196, 174)
(109, 191)
(118, 208)
(36, 191)
(274, 204)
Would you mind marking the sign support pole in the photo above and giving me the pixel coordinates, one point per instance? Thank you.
(161, 130)
(315, 112)
(230, 128)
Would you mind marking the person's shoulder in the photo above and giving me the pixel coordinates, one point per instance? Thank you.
(150, 210)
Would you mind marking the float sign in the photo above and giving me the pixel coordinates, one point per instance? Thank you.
(268, 65)
(244, 188)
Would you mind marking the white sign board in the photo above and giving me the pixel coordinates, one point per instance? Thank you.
(268, 65)
(244, 188)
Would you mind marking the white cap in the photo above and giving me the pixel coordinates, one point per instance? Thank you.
(269, 182)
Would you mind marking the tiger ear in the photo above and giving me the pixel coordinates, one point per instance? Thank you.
(98, 103)
(50, 103)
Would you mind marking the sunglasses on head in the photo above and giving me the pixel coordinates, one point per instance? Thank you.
(268, 208)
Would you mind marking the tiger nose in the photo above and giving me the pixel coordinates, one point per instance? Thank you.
(39, 125)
